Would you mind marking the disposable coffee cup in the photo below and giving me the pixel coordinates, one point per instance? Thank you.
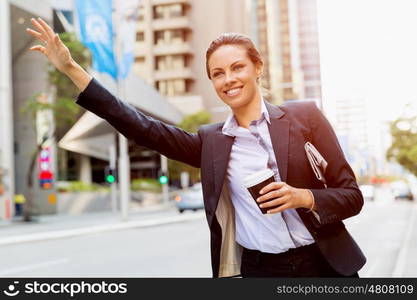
(256, 181)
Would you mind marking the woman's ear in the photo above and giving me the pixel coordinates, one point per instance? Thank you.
(259, 69)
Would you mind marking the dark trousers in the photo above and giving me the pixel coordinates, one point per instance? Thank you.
(305, 261)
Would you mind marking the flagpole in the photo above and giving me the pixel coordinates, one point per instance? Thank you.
(124, 162)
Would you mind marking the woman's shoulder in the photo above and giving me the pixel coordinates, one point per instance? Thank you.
(299, 108)
(299, 105)
(211, 128)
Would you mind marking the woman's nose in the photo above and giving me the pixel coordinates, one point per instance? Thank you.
(230, 78)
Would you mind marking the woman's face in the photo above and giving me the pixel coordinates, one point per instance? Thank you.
(234, 75)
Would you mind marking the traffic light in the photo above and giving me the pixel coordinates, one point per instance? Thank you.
(110, 175)
(163, 178)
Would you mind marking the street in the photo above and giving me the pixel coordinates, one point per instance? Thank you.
(385, 230)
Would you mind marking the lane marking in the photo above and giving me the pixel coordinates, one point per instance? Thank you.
(58, 234)
(14, 271)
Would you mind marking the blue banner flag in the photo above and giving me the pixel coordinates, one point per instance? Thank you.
(96, 33)
(127, 14)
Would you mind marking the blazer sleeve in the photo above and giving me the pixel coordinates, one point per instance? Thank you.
(342, 198)
(168, 140)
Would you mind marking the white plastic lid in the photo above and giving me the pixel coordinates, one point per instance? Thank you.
(257, 177)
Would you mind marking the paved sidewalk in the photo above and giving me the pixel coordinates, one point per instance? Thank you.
(63, 226)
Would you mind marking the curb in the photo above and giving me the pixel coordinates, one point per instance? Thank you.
(58, 234)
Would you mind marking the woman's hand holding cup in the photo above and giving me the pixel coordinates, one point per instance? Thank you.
(279, 196)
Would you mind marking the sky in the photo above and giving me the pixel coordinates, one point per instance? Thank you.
(368, 49)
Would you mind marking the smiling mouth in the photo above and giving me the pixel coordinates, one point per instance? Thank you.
(234, 91)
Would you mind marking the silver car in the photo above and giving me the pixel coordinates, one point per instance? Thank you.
(401, 190)
(190, 198)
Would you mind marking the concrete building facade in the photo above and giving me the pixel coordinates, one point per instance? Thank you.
(172, 38)
(287, 36)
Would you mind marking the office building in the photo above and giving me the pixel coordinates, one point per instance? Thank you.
(287, 35)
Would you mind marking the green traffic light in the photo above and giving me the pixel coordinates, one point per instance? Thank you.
(110, 179)
(163, 179)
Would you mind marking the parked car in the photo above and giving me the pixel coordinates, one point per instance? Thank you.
(190, 198)
(368, 192)
(401, 190)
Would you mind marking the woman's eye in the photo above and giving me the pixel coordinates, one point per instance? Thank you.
(216, 74)
(238, 67)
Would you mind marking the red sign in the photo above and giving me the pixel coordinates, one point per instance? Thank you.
(45, 175)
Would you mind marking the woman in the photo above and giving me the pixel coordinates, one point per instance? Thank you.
(291, 241)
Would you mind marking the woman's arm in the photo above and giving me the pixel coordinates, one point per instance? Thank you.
(342, 198)
(169, 140)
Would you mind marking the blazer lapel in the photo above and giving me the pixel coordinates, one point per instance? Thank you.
(279, 130)
(221, 148)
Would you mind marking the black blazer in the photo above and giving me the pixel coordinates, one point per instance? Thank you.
(292, 125)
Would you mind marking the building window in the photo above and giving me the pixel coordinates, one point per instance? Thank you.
(158, 12)
(159, 37)
(140, 36)
(160, 63)
(171, 87)
(178, 62)
(177, 36)
(176, 10)
(141, 14)
(172, 62)
(168, 11)
(140, 59)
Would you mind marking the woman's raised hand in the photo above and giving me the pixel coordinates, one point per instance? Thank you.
(57, 53)
(52, 46)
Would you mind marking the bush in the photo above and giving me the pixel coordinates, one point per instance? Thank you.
(79, 186)
(146, 185)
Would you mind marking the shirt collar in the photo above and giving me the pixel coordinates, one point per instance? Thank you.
(230, 125)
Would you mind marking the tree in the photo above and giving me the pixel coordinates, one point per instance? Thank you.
(64, 109)
(190, 123)
(404, 143)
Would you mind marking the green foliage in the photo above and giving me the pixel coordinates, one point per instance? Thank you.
(64, 86)
(64, 108)
(404, 143)
(79, 186)
(190, 123)
(146, 185)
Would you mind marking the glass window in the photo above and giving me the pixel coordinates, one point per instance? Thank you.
(158, 12)
(159, 37)
(141, 13)
(140, 59)
(161, 86)
(178, 62)
(176, 10)
(140, 36)
(177, 36)
(161, 63)
(171, 87)
(179, 86)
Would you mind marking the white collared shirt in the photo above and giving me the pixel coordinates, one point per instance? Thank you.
(274, 233)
